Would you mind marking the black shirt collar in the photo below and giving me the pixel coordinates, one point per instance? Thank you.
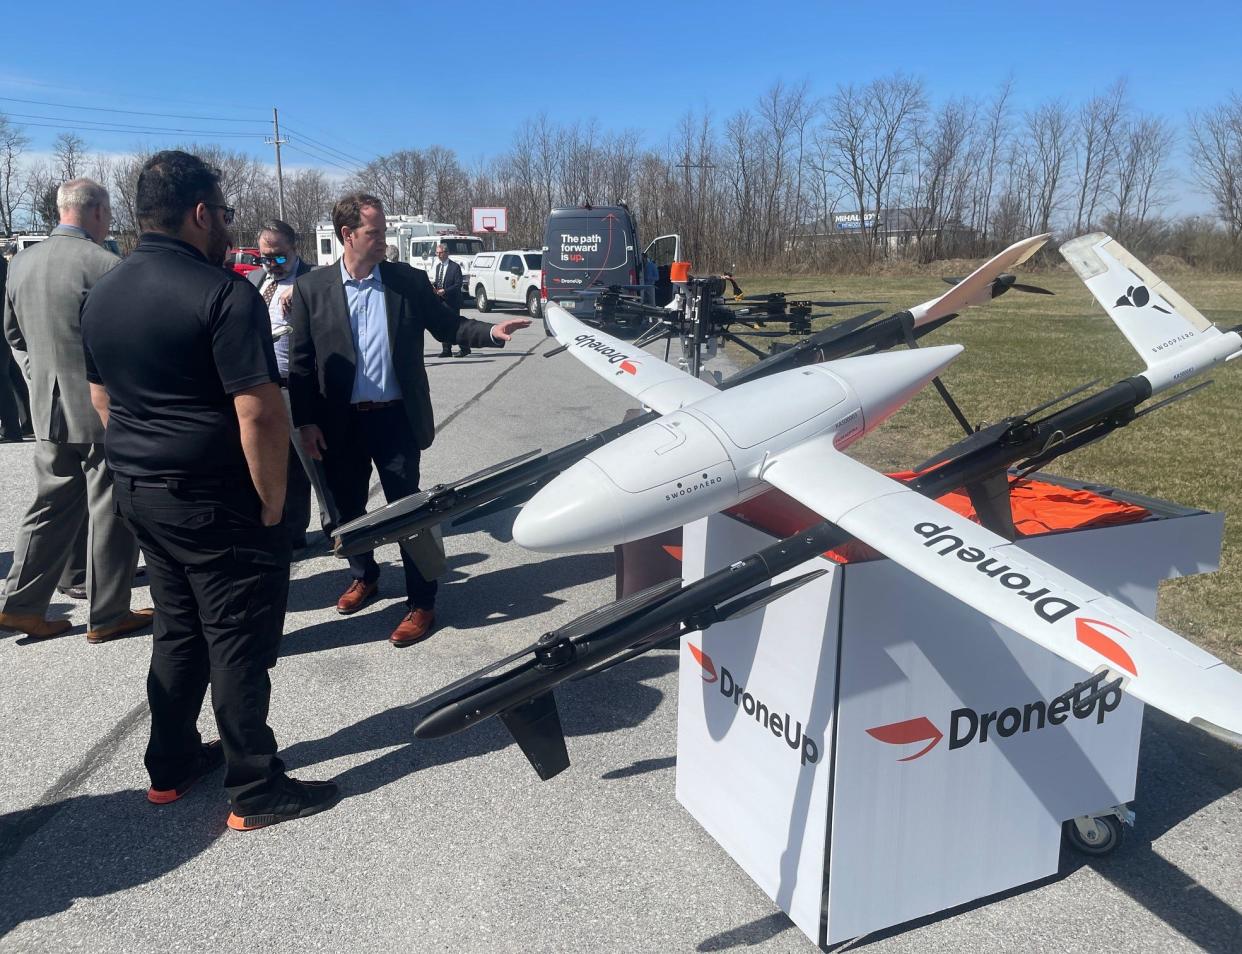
(159, 242)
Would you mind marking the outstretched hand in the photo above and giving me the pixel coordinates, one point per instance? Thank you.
(503, 330)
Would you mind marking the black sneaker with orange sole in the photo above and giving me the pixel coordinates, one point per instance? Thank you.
(294, 800)
(210, 758)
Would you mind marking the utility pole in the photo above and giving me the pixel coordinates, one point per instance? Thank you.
(275, 140)
(692, 208)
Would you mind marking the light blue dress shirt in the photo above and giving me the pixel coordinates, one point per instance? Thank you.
(375, 378)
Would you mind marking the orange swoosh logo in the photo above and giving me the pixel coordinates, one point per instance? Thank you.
(1091, 634)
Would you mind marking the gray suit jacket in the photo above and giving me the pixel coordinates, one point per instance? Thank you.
(43, 300)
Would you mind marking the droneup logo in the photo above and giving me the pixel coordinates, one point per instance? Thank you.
(627, 364)
(968, 725)
(781, 725)
(705, 663)
(1092, 634)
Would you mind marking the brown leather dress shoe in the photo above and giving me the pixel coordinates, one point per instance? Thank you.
(414, 627)
(33, 625)
(129, 623)
(357, 596)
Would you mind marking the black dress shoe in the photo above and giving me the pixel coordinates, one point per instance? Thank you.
(446, 353)
(9, 437)
(462, 353)
(73, 592)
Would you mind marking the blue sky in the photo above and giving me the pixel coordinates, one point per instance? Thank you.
(369, 78)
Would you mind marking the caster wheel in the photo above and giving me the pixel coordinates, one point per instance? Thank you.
(1094, 835)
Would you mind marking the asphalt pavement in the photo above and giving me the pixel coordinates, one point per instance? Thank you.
(455, 844)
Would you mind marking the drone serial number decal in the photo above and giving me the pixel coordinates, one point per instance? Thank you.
(605, 350)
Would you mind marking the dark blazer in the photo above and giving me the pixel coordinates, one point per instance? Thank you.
(451, 283)
(323, 360)
(259, 275)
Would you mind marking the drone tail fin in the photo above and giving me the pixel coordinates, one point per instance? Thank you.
(1155, 319)
(535, 725)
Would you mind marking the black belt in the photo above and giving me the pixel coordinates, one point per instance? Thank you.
(172, 483)
(374, 405)
(284, 383)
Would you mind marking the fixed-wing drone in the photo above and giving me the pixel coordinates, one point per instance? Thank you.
(513, 482)
(711, 450)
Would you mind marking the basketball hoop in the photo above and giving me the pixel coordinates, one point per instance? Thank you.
(490, 220)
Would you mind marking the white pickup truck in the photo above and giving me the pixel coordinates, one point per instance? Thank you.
(507, 278)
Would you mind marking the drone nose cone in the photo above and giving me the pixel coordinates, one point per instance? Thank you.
(577, 511)
(885, 382)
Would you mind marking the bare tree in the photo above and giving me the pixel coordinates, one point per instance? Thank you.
(1139, 190)
(69, 156)
(990, 150)
(1047, 145)
(308, 198)
(13, 181)
(1099, 124)
(872, 130)
(1216, 155)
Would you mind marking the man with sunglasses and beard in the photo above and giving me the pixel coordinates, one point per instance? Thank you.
(281, 267)
(183, 374)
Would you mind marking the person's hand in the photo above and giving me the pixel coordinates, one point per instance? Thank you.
(312, 441)
(440, 292)
(270, 516)
(503, 330)
(286, 301)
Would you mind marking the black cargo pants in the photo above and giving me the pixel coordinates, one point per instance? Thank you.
(219, 581)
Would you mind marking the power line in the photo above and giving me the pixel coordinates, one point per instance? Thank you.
(320, 158)
(325, 146)
(138, 131)
(130, 127)
(130, 112)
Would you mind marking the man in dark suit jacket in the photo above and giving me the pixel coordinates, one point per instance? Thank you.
(282, 266)
(14, 397)
(447, 284)
(358, 388)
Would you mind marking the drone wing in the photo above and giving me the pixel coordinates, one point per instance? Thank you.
(660, 386)
(1014, 588)
(976, 288)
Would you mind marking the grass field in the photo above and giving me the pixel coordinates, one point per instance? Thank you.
(1022, 350)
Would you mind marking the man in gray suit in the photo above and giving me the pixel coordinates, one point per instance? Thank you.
(47, 285)
(281, 267)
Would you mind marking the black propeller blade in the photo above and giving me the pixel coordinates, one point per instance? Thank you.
(1007, 282)
(980, 438)
(751, 602)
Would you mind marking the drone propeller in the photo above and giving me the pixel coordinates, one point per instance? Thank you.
(776, 295)
(992, 432)
(783, 299)
(1007, 282)
(586, 623)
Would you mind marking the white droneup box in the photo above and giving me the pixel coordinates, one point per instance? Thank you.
(870, 750)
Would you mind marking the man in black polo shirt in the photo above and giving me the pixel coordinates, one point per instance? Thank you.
(179, 356)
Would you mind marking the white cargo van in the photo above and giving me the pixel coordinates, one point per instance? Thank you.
(512, 277)
(415, 237)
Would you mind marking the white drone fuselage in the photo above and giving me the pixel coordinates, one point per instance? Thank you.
(710, 454)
